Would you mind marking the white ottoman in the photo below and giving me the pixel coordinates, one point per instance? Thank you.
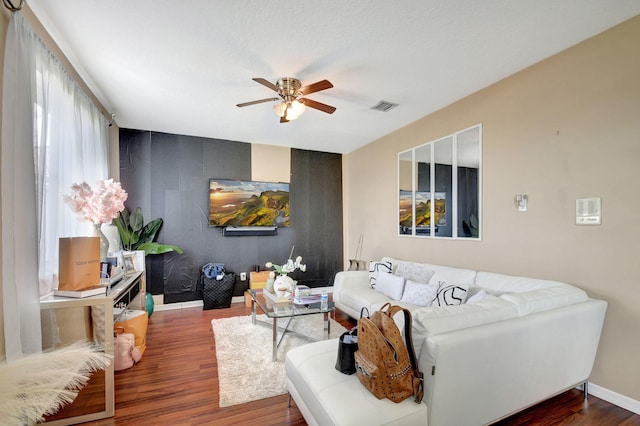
(327, 397)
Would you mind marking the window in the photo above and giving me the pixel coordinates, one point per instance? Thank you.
(70, 145)
(52, 136)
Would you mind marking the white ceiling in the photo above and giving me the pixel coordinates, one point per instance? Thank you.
(182, 66)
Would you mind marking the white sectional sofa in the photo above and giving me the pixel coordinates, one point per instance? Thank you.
(515, 342)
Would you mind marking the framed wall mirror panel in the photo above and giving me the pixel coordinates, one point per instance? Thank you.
(439, 187)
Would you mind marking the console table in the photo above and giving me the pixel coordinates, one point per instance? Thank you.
(91, 318)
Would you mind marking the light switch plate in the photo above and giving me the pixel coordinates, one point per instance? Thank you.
(589, 211)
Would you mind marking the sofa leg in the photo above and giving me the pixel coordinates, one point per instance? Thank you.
(585, 390)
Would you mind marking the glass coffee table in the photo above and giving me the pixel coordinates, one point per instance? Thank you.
(275, 310)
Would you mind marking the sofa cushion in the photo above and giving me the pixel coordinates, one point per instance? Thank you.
(502, 283)
(414, 271)
(362, 296)
(450, 294)
(479, 295)
(441, 273)
(442, 319)
(376, 268)
(328, 397)
(419, 293)
(545, 299)
(530, 295)
(390, 285)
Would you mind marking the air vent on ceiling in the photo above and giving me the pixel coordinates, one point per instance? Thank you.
(384, 106)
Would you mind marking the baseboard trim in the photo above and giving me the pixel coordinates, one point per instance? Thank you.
(236, 299)
(181, 305)
(190, 304)
(614, 398)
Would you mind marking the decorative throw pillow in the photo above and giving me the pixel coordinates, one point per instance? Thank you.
(414, 272)
(473, 290)
(390, 285)
(417, 293)
(377, 268)
(450, 294)
(478, 296)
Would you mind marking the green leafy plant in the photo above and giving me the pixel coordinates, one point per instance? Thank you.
(135, 235)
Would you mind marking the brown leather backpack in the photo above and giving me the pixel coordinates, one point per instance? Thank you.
(384, 363)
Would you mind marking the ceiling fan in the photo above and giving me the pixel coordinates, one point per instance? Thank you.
(291, 94)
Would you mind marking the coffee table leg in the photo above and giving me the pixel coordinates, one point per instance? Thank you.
(253, 311)
(275, 340)
(327, 325)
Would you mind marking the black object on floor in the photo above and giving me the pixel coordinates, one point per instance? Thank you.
(218, 293)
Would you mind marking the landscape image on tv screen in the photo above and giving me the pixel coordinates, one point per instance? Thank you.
(248, 203)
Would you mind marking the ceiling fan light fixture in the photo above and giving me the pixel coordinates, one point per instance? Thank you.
(292, 97)
(280, 108)
(295, 110)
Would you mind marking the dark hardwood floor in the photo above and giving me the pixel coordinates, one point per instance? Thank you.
(176, 383)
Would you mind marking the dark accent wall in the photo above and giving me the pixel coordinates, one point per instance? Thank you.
(168, 176)
(316, 214)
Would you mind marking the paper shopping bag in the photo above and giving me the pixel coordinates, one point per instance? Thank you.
(79, 263)
(136, 323)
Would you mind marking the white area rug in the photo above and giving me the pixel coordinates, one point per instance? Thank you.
(245, 370)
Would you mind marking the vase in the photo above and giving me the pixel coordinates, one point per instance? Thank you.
(283, 286)
(149, 304)
(104, 243)
(113, 236)
(270, 282)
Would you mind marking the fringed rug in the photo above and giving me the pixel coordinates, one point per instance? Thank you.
(245, 369)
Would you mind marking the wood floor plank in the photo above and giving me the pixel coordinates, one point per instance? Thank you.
(176, 383)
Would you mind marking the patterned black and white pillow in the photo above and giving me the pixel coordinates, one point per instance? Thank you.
(375, 268)
(450, 294)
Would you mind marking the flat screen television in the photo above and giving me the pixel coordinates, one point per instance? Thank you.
(248, 203)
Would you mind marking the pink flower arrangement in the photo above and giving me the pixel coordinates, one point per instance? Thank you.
(100, 204)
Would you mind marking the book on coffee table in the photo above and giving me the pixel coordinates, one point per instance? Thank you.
(306, 300)
(271, 296)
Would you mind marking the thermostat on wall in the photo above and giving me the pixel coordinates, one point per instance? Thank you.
(589, 211)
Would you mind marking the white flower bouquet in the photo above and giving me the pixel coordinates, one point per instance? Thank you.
(283, 285)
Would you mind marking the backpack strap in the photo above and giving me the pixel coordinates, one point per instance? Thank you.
(418, 377)
(362, 311)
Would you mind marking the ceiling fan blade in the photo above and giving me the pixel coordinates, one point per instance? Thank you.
(267, 83)
(318, 105)
(258, 102)
(316, 87)
(283, 120)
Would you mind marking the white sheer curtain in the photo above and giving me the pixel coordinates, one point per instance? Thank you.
(71, 146)
(20, 299)
(52, 136)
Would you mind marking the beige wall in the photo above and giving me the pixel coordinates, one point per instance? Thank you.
(270, 163)
(566, 128)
